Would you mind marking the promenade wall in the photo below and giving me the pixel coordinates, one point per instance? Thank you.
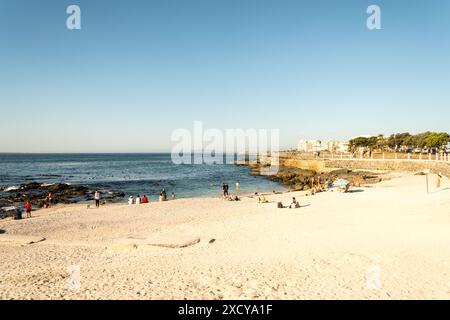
(320, 165)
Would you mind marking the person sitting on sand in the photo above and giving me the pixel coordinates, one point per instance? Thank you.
(28, 209)
(144, 199)
(344, 189)
(294, 204)
(130, 200)
(262, 199)
(137, 200)
(163, 195)
(232, 198)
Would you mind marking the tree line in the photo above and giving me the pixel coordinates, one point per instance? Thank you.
(402, 142)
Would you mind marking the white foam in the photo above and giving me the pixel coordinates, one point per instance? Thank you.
(12, 188)
(47, 184)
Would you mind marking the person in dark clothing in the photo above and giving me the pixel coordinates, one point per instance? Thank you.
(225, 189)
(163, 194)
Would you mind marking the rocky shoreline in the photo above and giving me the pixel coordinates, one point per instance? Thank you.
(36, 193)
(299, 179)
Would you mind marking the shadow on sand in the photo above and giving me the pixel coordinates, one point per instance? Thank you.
(355, 191)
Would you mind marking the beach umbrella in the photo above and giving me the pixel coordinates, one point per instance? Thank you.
(341, 183)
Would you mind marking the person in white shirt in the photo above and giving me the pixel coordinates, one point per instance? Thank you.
(130, 200)
(97, 198)
(138, 200)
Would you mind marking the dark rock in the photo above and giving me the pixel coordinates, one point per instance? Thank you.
(299, 179)
(37, 193)
(10, 212)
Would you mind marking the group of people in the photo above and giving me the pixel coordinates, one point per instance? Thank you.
(163, 195)
(49, 200)
(225, 191)
(226, 188)
(318, 184)
(138, 199)
(294, 204)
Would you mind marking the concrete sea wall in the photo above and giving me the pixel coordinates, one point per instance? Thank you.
(320, 165)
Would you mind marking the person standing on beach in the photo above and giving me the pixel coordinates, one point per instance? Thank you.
(225, 189)
(28, 209)
(97, 198)
(49, 199)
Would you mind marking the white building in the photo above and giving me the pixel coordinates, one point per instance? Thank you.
(318, 145)
(309, 145)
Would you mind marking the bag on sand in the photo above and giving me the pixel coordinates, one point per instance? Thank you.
(280, 205)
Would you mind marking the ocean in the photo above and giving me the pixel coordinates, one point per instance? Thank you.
(133, 174)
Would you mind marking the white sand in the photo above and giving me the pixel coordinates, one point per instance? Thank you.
(388, 241)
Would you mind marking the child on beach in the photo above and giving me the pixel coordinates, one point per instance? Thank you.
(130, 200)
(28, 209)
(144, 199)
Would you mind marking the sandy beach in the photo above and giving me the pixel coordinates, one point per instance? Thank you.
(387, 241)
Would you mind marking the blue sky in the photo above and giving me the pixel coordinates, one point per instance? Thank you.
(137, 70)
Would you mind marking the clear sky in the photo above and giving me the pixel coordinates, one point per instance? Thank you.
(137, 70)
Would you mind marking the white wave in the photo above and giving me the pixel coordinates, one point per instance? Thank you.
(12, 188)
(47, 184)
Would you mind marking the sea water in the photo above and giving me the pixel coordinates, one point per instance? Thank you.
(133, 174)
